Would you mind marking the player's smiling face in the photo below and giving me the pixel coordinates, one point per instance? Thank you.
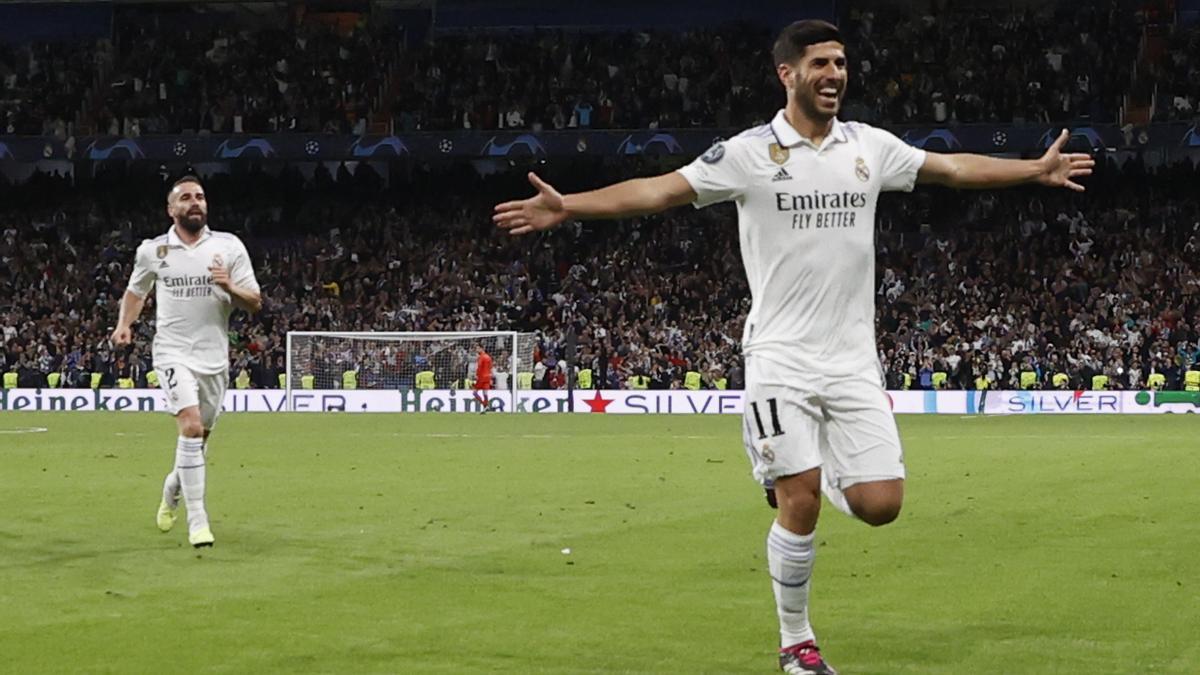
(817, 81)
(187, 206)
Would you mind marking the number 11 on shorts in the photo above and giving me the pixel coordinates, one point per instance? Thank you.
(775, 428)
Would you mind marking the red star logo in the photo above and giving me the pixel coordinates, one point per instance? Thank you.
(598, 403)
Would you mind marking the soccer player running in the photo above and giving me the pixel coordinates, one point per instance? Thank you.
(817, 418)
(201, 276)
(483, 377)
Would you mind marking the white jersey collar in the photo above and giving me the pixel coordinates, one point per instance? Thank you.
(174, 240)
(787, 136)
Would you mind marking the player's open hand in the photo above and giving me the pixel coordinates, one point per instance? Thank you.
(121, 336)
(1059, 168)
(542, 211)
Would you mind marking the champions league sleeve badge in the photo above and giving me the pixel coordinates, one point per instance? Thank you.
(714, 154)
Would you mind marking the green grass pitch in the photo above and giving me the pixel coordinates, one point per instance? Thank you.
(434, 544)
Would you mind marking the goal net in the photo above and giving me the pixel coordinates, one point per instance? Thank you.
(408, 361)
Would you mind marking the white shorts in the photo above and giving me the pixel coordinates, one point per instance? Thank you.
(843, 425)
(185, 389)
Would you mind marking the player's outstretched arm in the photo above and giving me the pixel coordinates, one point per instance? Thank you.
(131, 308)
(1054, 169)
(548, 208)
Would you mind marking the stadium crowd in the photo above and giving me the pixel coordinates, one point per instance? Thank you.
(161, 74)
(1177, 79)
(311, 76)
(44, 85)
(1061, 295)
(946, 69)
(1068, 61)
(973, 288)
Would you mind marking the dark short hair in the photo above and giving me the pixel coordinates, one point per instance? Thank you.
(186, 179)
(794, 39)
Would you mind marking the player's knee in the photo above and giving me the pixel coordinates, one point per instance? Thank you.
(799, 500)
(876, 503)
(190, 426)
(879, 513)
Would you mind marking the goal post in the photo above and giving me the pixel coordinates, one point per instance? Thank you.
(371, 360)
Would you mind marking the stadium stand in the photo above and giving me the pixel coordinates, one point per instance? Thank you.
(980, 287)
(221, 72)
(974, 285)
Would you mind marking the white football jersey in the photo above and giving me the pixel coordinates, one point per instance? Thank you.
(192, 320)
(806, 221)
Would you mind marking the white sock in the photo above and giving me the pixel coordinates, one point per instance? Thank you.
(790, 562)
(171, 488)
(189, 464)
(171, 485)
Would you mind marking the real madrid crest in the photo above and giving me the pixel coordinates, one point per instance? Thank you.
(161, 252)
(861, 170)
(779, 154)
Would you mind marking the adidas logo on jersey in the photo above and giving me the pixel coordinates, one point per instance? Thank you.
(163, 264)
(781, 175)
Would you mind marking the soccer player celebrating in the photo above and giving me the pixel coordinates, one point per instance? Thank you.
(483, 377)
(806, 185)
(202, 275)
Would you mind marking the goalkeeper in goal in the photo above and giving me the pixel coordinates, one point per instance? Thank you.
(483, 377)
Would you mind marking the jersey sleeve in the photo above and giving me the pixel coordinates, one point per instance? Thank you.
(241, 270)
(141, 281)
(899, 162)
(719, 175)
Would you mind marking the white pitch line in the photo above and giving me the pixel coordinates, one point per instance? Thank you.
(25, 430)
(542, 436)
(1043, 437)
